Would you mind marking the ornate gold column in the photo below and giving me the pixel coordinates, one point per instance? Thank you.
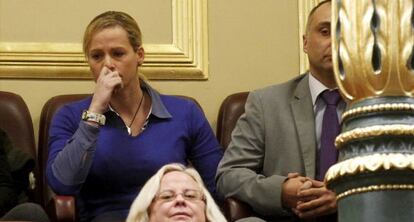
(373, 45)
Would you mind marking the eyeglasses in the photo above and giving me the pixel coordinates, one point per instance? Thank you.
(190, 195)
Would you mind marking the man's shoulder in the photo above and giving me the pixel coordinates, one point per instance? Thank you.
(285, 89)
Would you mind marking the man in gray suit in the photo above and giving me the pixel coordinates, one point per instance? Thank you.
(272, 159)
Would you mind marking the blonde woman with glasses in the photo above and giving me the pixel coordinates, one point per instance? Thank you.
(175, 193)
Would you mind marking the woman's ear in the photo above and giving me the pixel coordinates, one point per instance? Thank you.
(141, 55)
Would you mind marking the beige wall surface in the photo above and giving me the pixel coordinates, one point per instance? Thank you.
(58, 21)
(252, 44)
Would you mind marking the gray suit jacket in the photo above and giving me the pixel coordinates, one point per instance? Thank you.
(274, 137)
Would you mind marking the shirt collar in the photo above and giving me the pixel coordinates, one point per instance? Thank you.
(157, 106)
(316, 88)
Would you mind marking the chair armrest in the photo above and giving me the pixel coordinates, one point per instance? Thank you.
(235, 209)
(62, 208)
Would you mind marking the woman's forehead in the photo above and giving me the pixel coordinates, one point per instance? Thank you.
(109, 36)
(178, 179)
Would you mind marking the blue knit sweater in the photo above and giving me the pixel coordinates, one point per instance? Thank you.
(105, 167)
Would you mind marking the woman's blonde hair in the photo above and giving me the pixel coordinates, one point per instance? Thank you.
(139, 211)
(111, 19)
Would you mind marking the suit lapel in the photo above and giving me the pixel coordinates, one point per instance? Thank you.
(302, 108)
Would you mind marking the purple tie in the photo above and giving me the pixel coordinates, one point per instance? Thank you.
(328, 154)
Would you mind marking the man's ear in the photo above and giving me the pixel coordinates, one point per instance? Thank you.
(141, 55)
(305, 43)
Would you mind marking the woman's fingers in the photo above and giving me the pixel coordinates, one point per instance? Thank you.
(106, 85)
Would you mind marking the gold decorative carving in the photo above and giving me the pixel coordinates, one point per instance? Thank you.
(375, 188)
(378, 108)
(185, 58)
(370, 163)
(374, 131)
(374, 43)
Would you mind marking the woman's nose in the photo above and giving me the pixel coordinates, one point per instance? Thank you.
(179, 199)
(109, 63)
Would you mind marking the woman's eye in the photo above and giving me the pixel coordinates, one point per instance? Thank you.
(166, 196)
(191, 194)
(95, 56)
(118, 54)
